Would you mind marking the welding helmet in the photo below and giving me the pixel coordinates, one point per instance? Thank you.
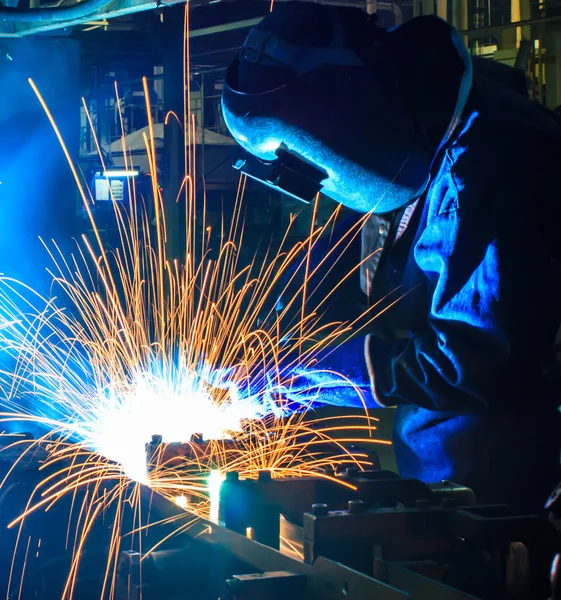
(316, 103)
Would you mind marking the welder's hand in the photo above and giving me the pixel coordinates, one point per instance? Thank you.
(336, 376)
(258, 392)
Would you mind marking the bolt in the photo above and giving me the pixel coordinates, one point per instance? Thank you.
(197, 438)
(448, 502)
(320, 510)
(356, 507)
(156, 439)
(264, 476)
(422, 504)
(232, 476)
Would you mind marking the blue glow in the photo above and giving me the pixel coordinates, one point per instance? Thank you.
(113, 405)
(120, 173)
(114, 409)
(269, 146)
(175, 404)
(118, 419)
(214, 482)
(298, 388)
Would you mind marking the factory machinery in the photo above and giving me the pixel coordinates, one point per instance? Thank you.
(354, 535)
(367, 535)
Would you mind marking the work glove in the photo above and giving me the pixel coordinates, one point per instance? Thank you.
(336, 376)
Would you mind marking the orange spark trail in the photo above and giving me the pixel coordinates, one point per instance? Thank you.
(129, 349)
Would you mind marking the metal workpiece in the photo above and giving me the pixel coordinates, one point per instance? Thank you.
(480, 537)
(353, 538)
(387, 489)
(275, 585)
(264, 476)
(422, 503)
(207, 561)
(250, 503)
(197, 438)
(251, 506)
(419, 580)
(178, 454)
(153, 452)
(434, 551)
(390, 520)
(194, 569)
(258, 504)
(448, 503)
(175, 455)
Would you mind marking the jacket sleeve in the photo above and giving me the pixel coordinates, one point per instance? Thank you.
(493, 294)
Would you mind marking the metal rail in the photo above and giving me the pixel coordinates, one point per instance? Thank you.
(119, 8)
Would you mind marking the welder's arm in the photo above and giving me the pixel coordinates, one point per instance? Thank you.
(335, 376)
(489, 310)
(338, 377)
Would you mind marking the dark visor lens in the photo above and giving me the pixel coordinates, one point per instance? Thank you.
(288, 174)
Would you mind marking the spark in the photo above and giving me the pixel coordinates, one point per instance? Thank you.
(133, 342)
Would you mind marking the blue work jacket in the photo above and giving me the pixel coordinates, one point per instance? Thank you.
(467, 350)
(466, 353)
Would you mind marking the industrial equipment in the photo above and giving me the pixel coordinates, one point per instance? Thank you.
(359, 534)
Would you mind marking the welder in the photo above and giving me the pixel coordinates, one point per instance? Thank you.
(459, 171)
